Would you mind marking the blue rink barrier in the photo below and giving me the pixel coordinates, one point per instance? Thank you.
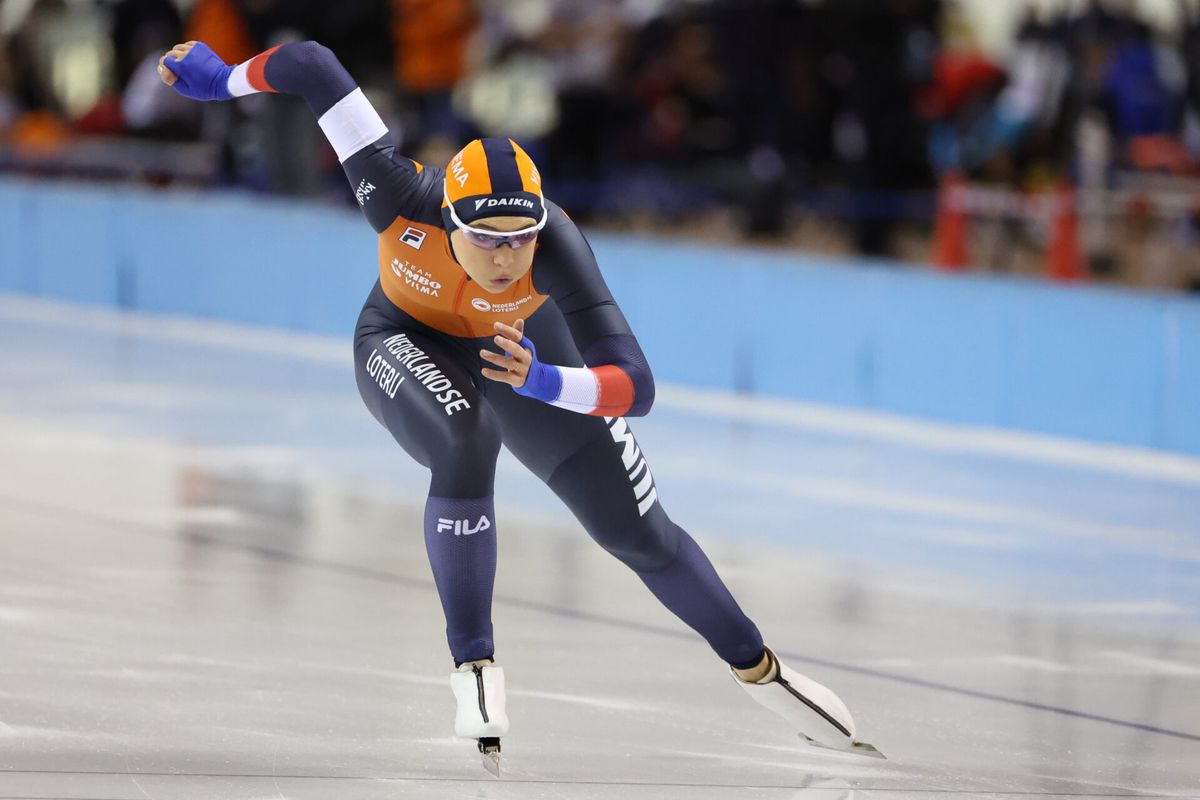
(1094, 363)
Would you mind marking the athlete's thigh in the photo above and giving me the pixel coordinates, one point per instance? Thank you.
(593, 464)
(421, 390)
(597, 468)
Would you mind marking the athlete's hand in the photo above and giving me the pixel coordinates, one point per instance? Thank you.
(177, 52)
(517, 360)
(195, 71)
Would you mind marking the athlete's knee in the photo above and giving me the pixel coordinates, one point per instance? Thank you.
(647, 545)
(472, 441)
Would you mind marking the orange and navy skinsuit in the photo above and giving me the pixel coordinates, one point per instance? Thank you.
(418, 371)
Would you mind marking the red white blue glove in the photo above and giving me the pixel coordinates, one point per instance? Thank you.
(543, 381)
(200, 74)
(605, 390)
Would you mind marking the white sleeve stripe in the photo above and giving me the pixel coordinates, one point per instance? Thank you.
(580, 389)
(238, 84)
(351, 124)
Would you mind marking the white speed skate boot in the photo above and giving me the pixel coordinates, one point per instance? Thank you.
(478, 687)
(817, 714)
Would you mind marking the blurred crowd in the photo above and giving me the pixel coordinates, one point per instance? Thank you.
(748, 116)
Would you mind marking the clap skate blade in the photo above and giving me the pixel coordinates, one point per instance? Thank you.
(815, 711)
(857, 748)
(489, 749)
(481, 715)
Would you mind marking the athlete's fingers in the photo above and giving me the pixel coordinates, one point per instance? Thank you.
(502, 361)
(508, 331)
(503, 377)
(513, 348)
(178, 52)
(520, 326)
(165, 73)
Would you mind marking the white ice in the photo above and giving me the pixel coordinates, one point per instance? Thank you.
(213, 584)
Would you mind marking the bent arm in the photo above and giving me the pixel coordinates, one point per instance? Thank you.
(347, 118)
(311, 70)
(617, 381)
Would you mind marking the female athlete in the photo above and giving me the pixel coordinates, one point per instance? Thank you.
(476, 267)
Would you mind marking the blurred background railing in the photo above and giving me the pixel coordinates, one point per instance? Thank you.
(834, 127)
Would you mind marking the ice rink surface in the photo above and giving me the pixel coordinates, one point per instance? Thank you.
(213, 585)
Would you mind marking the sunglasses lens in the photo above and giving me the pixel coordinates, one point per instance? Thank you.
(488, 242)
(482, 240)
(521, 240)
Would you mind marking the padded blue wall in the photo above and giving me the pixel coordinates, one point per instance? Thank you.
(1087, 362)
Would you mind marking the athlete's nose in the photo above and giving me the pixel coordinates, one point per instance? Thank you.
(503, 256)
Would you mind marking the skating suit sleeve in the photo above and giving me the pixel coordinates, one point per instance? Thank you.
(385, 183)
(617, 381)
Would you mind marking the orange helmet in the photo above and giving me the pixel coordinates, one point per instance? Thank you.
(492, 177)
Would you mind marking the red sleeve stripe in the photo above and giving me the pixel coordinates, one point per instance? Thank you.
(616, 391)
(257, 68)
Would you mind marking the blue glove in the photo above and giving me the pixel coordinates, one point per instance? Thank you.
(543, 382)
(201, 75)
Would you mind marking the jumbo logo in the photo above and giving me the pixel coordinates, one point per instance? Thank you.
(479, 304)
(418, 280)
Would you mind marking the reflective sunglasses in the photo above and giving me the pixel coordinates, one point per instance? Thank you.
(490, 240)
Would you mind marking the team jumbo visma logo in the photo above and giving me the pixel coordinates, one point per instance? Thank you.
(417, 279)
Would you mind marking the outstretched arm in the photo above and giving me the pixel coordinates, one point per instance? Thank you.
(309, 70)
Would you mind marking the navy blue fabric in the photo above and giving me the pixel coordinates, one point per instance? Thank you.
(692, 590)
(502, 165)
(594, 466)
(460, 538)
(201, 75)
(312, 71)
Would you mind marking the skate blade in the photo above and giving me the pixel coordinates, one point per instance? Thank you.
(490, 754)
(857, 748)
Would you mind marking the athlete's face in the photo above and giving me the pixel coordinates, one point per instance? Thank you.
(494, 270)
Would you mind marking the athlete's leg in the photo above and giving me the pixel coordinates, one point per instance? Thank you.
(420, 390)
(597, 468)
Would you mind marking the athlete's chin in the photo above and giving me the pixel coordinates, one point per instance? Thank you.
(498, 285)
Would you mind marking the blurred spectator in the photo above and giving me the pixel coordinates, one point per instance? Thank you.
(716, 116)
(430, 40)
(884, 55)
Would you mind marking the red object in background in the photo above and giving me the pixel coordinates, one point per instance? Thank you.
(956, 77)
(1064, 259)
(104, 118)
(950, 229)
(1160, 153)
